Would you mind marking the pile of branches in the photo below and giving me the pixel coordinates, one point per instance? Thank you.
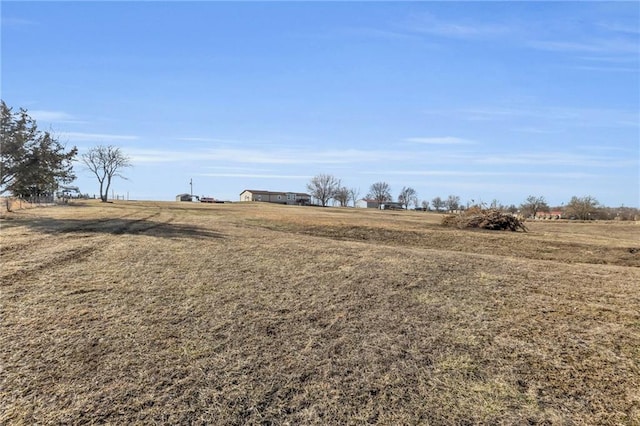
(492, 219)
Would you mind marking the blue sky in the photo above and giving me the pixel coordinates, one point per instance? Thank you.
(484, 100)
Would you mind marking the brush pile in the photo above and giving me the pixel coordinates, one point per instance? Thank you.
(492, 219)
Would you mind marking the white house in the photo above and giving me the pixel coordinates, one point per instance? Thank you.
(367, 203)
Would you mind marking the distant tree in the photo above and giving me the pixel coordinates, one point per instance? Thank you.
(380, 192)
(354, 194)
(425, 205)
(534, 204)
(407, 196)
(323, 188)
(437, 203)
(512, 209)
(583, 208)
(342, 196)
(31, 162)
(453, 202)
(106, 162)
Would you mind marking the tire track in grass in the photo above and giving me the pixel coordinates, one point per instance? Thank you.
(73, 254)
(22, 260)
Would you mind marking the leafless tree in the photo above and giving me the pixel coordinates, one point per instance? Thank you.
(323, 188)
(106, 162)
(380, 192)
(583, 208)
(534, 204)
(407, 196)
(453, 202)
(354, 195)
(342, 196)
(437, 203)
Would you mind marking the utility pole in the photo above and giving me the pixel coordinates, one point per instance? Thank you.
(191, 185)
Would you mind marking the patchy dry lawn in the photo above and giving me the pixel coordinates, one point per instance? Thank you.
(252, 313)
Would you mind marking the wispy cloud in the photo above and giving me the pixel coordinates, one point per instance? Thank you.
(377, 33)
(567, 116)
(621, 28)
(466, 174)
(253, 176)
(96, 137)
(551, 159)
(16, 22)
(534, 130)
(612, 59)
(606, 46)
(608, 69)
(444, 140)
(269, 156)
(430, 24)
(52, 116)
(206, 139)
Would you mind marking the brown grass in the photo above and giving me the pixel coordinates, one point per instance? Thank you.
(261, 314)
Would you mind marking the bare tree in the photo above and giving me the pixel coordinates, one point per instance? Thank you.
(106, 162)
(323, 188)
(437, 203)
(354, 195)
(583, 208)
(425, 205)
(534, 204)
(342, 196)
(407, 196)
(453, 202)
(380, 192)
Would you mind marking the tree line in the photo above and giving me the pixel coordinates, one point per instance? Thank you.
(35, 163)
(324, 188)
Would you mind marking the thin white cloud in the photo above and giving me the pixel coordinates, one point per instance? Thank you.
(377, 33)
(535, 130)
(429, 24)
(96, 137)
(551, 159)
(205, 139)
(611, 59)
(237, 169)
(269, 156)
(16, 22)
(620, 28)
(254, 176)
(568, 116)
(45, 115)
(444, 140)
(465, 173)
(592, 46)
(608, 69)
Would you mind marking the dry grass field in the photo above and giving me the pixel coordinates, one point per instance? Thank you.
(169, 313)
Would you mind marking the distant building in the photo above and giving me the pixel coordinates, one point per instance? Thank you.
(367, 203)
(392, 205)
(554, 214)
(290, 198)
(183, 197)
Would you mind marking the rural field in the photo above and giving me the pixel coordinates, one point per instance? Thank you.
(230, 314)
